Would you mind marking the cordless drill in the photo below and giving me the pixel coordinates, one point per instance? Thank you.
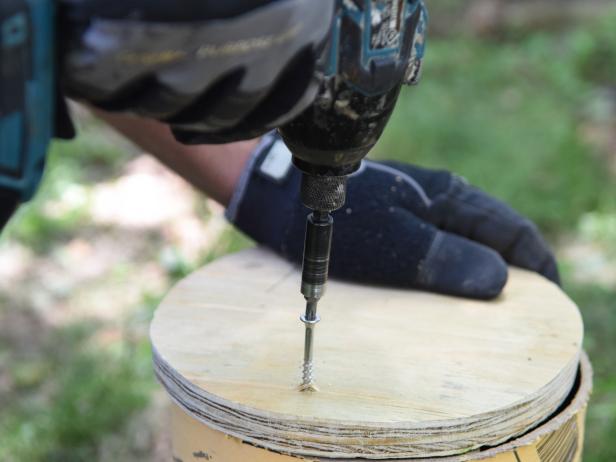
(376, 47)
(373, 48)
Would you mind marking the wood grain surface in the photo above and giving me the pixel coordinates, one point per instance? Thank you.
(401, 373)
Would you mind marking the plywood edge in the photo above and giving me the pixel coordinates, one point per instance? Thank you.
(564, 381)
(574, 408)
(287, 435)
(192, 440)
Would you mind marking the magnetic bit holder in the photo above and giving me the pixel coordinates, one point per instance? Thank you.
(322, 194)
(314, 279)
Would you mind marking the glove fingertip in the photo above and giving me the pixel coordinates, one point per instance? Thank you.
(489, 279)
(457, 266)
(550, 271)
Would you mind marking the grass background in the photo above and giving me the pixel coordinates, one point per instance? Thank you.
(528, 114)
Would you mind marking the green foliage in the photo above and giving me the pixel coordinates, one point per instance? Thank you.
(176, 266)
(94, 155)
(90, 401)
(71, 167)
(72, 396)
(39, 230)
(596, 53)
(231, 241)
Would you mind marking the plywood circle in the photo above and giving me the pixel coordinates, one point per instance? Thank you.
(402, 374)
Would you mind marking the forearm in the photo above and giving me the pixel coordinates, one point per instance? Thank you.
(214, 169)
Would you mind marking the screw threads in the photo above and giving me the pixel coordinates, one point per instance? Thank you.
(308, 383)
(310, 320)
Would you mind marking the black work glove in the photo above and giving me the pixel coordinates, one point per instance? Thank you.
(402, 225)
(216, 71)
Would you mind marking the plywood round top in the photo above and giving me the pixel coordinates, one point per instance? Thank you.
(401, 373)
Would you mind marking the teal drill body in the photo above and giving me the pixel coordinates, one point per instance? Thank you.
(26, 95)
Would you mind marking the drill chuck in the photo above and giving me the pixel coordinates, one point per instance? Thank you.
(323, 193)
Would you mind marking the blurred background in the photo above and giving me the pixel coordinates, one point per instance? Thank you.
(518, 96)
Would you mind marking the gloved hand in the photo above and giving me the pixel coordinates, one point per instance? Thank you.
(216, 71)
(402, 225)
